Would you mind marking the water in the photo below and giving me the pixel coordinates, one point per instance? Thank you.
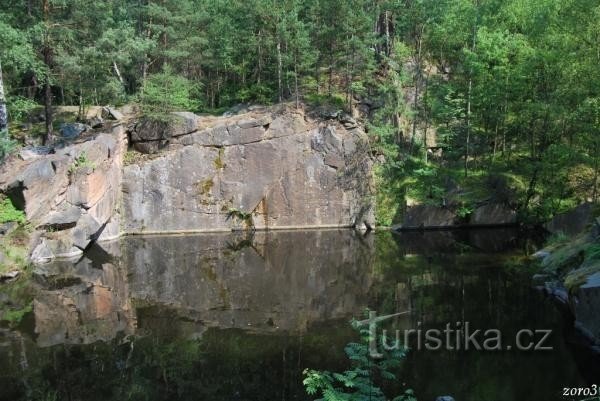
(237, 317)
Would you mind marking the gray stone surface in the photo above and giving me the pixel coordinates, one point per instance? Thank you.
(69, 202)
(427, 216)
(72, 130)
(275, 164)
(492, 214)
(586, 304)
(572, 222)
(65, 218)
(285, 170)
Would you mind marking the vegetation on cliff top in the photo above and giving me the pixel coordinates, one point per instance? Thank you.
(477, 99)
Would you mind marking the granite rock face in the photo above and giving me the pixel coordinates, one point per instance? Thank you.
(266, 168)
(493, 214)
(69, 195)
(428, 216)
(272, 168)
(572, 222)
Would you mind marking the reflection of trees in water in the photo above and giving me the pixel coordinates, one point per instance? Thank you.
(223, 365)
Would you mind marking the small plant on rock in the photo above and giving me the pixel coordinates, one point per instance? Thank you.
(81, 161)
(245, 217)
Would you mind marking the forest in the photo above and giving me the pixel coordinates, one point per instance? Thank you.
(496, 97)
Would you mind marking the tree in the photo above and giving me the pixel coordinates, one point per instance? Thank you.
(3, 110)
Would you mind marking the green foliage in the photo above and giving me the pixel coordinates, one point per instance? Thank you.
(7, 144)
(359, 383)
(464, 211)
(14, 316)
(166, 91)
(9, 213)
(19, 107)
(245, 217)
(556, 239)
(81, 162)
(507, 88)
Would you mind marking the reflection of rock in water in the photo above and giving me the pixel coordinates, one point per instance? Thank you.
(487, 240)
(82, 302)
(183, 284)
(276, 280)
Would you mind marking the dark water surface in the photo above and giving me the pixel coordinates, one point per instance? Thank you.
(234, 317)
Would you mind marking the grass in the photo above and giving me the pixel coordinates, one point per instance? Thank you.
(572, 259)
(9, 213)
(578, 277)
(14, 248)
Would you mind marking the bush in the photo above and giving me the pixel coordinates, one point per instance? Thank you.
(20, 107)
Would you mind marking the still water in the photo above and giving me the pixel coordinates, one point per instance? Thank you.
(239, 317)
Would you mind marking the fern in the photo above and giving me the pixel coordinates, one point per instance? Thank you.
(357, 383)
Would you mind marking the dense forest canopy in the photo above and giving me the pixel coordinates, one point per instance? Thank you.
(501, 94)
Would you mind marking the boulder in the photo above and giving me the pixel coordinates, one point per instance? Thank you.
(8, 227)
(72, 130)
(62, 219)
(428, 216)
(585, 306)
(68, 195)
(96, 122)
(32, 152)
(110, 113)
(493, 214)
(87, 230)
(572, 222)
(151, 135)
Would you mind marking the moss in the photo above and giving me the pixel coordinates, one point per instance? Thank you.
(14, 316)
(219, 163)
(205, 186)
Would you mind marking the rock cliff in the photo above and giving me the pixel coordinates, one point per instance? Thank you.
(69, 193)
(268, 168)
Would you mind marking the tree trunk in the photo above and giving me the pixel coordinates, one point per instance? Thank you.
(468, 141)
(279, 68)
(47, 51)
(296, 80)
(118, 72)
(3, 111)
